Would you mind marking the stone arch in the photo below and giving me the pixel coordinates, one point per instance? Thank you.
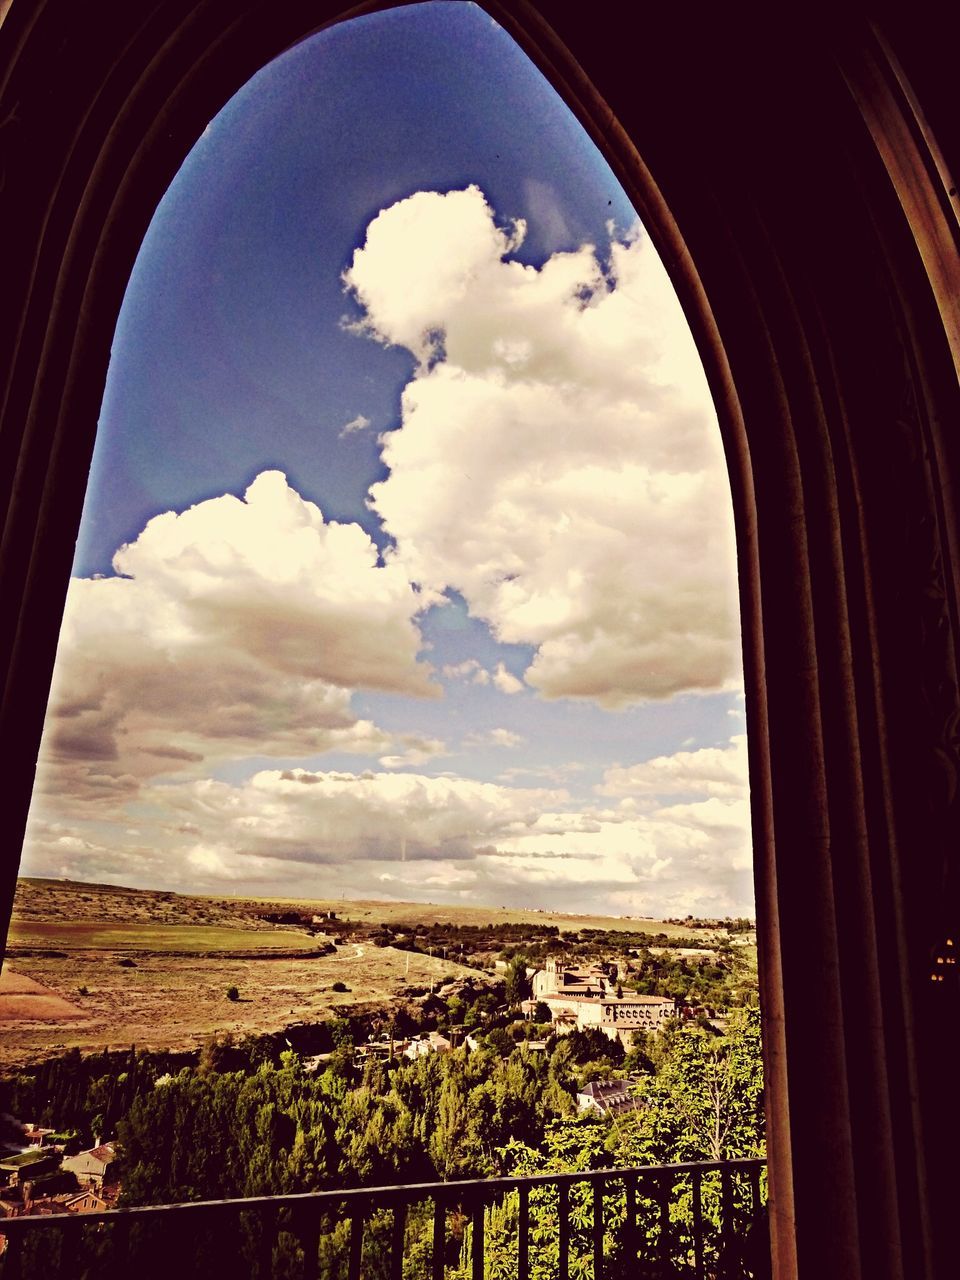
(804, 208)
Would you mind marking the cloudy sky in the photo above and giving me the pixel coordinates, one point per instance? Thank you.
(406, 567)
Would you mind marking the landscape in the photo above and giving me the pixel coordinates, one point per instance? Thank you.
(120, 967)
(358, 1044)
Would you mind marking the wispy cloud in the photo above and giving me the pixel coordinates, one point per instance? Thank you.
(359, 423)
(494, 738)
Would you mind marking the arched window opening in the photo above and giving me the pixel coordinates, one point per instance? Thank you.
(429, 437)
(401, 641)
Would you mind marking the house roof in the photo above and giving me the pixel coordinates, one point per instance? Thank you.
(637, 999)
(600, 1090)
(80, 1195)
(104, 1153)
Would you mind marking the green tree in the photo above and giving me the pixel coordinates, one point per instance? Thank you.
(706, 1100)
(517, 983)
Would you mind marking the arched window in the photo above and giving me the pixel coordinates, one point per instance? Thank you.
(408, 485)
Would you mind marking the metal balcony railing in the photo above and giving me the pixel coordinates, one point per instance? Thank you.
(654, 1221)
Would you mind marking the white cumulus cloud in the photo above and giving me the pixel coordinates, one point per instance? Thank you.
(711, 771)
(322, 817)
(558, 461)
(238, 626)
(505, 680)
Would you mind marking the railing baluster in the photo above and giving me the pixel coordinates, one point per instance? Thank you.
(726, 1211)
(194, 1232)
(523, 1234)
(698, 1259)
(439, 1237)
(309, 1237)
(563, 1223)
(71, 1239)
(597, 1230)
(119, 1256)
(630, 1206)
(663, 1202)
(396, 1246)
(268, 1235)
(478, 1229)
(356, 1245)
(644, 1247)
(754, 1175)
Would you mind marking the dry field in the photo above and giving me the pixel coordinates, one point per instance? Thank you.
(175, 1001)
(24, 1000)
(47, 900)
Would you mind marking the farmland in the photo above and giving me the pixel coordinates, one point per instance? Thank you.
(94, 966)
(175, 1002)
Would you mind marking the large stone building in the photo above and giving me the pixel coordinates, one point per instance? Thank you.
(582, 998)
(561, 979)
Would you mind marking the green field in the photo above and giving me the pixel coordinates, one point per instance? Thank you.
(116, 936)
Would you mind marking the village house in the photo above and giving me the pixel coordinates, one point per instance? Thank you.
(92, 1168)
(49, 1198)
(86, 1201)
(376, 1051)
(41, 1193)
(434, 1042)
(34, 1136)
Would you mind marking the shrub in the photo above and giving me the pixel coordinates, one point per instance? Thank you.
(340, 986)
(233, 993)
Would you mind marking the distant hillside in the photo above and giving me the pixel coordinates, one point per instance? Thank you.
(44, 899)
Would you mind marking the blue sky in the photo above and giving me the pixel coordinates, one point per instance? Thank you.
(230, 356)
(445, 562)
